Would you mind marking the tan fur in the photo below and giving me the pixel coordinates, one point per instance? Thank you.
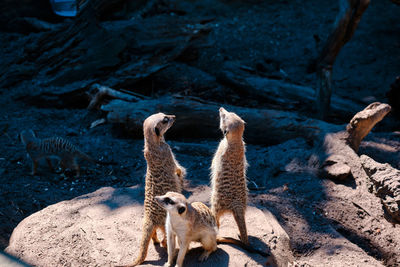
(163, 174)
(228, 172)
(54, 147)
(190, 222)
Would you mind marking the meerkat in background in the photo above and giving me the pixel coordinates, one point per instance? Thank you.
(228, 172)
(54, 147)
(192, 222)
(163, 174)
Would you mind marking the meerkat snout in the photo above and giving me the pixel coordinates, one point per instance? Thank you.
(163, 124)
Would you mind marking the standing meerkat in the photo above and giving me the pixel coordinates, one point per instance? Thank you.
(192, 222)
(228, 172)
(163, 174)
(53, 147)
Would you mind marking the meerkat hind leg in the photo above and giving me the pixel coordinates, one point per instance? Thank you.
(147, 234)
(209, 243)
(164, 240)
(238, 214)
(34, 167)
(155, 239)
(76, 167)
(48, 160)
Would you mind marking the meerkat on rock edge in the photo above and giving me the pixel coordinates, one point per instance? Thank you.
(189, 222)
(163, 174)
(192, 222)
(228, 172)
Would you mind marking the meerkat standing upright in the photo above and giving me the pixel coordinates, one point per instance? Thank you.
(228, 172)
(163, 174)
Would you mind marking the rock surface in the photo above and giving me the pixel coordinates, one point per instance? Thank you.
(103, 228)
(385, 183)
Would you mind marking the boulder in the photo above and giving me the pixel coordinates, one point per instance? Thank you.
(103, 228)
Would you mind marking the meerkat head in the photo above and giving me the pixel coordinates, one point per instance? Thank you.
(27, 136)
(155, 126)
(174, 203)
(230, 124)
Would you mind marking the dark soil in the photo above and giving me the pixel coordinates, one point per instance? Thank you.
(274, 36)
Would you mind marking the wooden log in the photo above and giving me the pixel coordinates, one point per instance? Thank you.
(385, 184)
(280, 92)
(103, 91)
(197, 119)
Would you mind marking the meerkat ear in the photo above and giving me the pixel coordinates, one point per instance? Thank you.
(222, 112)
(157, 131)
(181, 209)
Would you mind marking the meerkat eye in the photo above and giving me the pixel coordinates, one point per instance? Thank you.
(181, 210)
(165, 120)
(169, 201)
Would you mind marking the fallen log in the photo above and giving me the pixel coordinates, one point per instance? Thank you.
(385, 182)
(196, 119)
(279, 92)
(104, 91)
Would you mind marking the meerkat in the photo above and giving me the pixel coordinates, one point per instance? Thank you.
(192, 222)
(53, 147)
(189, 222)
(163, 174)
(228, 172)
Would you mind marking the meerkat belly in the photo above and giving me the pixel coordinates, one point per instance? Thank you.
(230, 186)
(160, 181)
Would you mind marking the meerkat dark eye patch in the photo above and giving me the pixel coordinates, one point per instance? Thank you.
(169, 201)
(225, 132)
(181, 210)
(165, 120)
(157, 131)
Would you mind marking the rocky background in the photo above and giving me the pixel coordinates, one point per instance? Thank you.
(93, 79)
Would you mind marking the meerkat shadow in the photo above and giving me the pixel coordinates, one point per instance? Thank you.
(218, 258)
(163, 256)
(229, 255)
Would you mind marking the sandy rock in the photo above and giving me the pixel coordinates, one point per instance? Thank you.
(338, 171)
(263, 229)
(363, 122)
(335, 167)
(103, 228)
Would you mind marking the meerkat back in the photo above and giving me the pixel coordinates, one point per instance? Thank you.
(53, 147)
(228, 172)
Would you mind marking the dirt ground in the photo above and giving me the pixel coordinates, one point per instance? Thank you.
(282, 35)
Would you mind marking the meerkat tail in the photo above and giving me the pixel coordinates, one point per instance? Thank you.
(232, 241)
(148, 233)
(85, 156)
(88, 158)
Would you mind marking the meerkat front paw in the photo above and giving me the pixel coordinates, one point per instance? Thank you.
(181, 172)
